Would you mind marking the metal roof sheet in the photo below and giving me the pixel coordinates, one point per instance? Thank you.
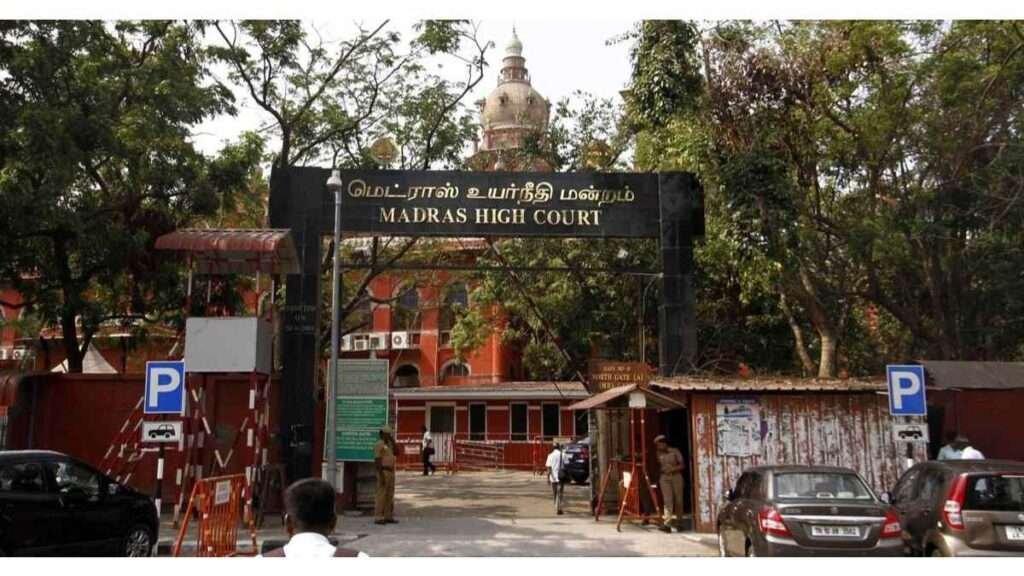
(974, 375)
(774, 384)
(618, 395)
(218, 251)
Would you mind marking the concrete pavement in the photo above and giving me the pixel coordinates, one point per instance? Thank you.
(502, 513)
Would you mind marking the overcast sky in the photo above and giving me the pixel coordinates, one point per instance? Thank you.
(562, 56)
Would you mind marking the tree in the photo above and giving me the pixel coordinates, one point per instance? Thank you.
(97, 162)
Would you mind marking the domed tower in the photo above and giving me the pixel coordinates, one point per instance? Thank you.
(511, 111)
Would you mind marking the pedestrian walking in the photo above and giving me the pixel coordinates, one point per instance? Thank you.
(384, 460)
(427, 454)
(557, 475)
(670, 464)
(310, 519)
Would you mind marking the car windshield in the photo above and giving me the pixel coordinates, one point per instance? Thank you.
(820, 486)
(998, 493)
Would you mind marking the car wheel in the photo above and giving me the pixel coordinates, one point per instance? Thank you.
(936, 553)
(579, 479)
(750, 552)
(721, 546)
(138, 543)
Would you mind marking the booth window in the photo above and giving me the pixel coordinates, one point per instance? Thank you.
(519, 425)
(478, 421)
(581, 419)
(550, 425)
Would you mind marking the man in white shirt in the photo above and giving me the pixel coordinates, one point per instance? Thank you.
(310, 519)
(968, 452)
(556, 477)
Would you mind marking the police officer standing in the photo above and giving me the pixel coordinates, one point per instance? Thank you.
(670, 463)
(384, 460)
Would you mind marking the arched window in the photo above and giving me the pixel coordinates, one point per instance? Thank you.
(407, 376)
(456, 300)
(454, 369)
(405, 311)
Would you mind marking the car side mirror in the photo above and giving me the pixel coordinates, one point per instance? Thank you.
(886, 497)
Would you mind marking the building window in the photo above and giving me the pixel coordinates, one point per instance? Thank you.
(454, 369)
(550, 424)
(519, 426)
(405, 312)
(456, 301)
(478, 421)
(407, 376)
(442, 419)
(581, 419)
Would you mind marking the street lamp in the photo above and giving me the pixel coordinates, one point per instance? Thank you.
(334, 185)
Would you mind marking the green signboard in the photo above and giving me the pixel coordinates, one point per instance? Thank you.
(361, 408)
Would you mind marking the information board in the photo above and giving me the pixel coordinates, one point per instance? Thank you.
(360, 408)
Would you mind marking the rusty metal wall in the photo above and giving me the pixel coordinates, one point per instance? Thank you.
(852, 430)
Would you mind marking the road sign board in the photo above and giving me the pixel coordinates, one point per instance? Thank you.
(916, 432)
(165, 388)
(156, 431)
(906, 390)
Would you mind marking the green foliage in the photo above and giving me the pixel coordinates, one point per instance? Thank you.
(666, 77)
(97, 162)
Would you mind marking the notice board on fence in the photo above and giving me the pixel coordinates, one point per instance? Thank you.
(360, 408)
(738, 426)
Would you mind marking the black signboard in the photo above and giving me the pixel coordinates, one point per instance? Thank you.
(439, 203)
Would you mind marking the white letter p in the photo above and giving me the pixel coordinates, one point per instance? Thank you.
(171, 378)
(905, 384)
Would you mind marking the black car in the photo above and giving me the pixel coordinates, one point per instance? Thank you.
(577, 460)
(54, 505)
(806, 511)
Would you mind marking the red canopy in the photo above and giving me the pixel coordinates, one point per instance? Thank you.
(235, 251)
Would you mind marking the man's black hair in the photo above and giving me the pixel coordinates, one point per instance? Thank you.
(310, 503)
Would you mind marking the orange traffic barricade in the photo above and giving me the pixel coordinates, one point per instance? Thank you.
(217, 504)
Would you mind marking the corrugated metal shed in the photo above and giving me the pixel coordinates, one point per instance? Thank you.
(853, 430)
(974, 375)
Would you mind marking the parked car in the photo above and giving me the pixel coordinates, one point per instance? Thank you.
(806, 511)
(577, 457)
(54, 505)
(962, 508)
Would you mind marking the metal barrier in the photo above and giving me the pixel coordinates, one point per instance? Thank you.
(217, 503)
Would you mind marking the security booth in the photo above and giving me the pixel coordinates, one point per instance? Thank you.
(624, 474)
(240, 346)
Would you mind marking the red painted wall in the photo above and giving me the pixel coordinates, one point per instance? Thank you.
(80, 415)
(991, 419)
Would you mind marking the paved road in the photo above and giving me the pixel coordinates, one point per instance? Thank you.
(498, 514)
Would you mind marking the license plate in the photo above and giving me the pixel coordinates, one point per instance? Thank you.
(1015, 533)
(835, 531)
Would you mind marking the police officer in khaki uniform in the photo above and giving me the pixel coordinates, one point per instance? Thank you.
(384, 460)
(670, 464)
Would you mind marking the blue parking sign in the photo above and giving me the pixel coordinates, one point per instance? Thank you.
(165, 388)
(906, 390)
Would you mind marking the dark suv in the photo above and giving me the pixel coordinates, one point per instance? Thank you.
(577, 460)
(54, 505)
(806, 511)
(962, 508)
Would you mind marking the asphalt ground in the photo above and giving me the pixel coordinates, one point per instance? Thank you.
(499, 513)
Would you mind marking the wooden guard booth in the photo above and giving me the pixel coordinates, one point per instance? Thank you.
(624, 423)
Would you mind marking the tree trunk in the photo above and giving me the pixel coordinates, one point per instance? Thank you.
(827, 360)
(69, 333)
(798, 336)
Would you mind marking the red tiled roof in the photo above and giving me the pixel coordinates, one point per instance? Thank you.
(567, 390)
(216, 251)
